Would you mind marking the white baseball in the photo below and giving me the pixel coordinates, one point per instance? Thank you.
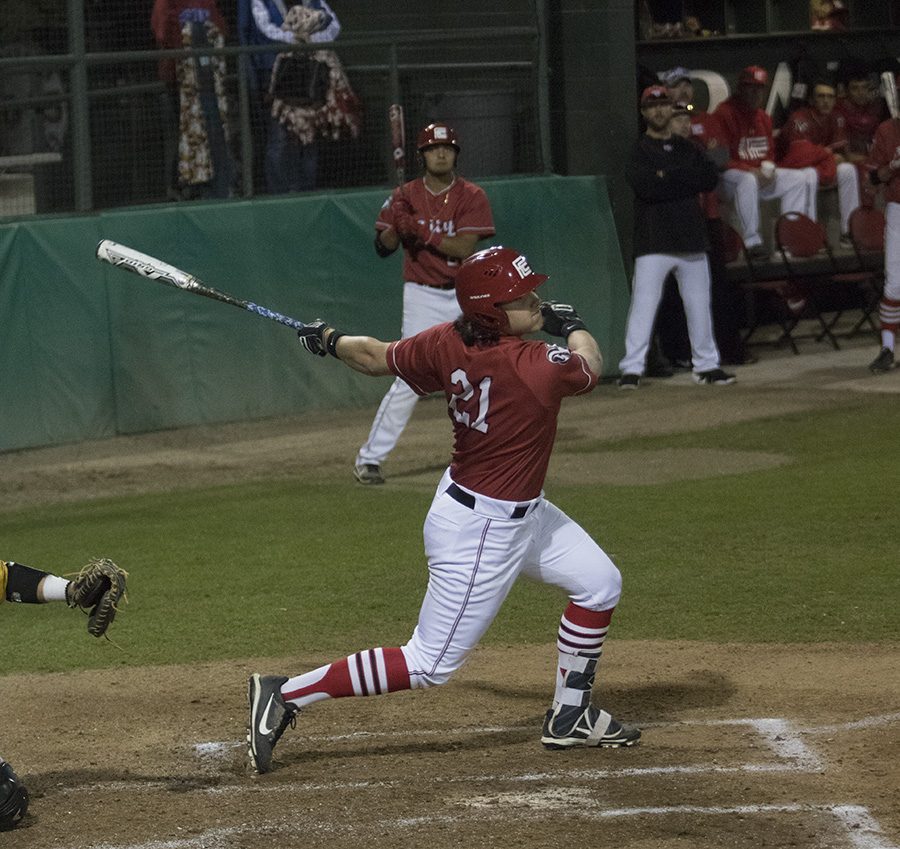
(767, 168)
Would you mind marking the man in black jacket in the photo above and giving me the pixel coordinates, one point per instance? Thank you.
(668, 173)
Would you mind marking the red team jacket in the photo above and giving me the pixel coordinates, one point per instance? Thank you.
(860, 123)
(460, 208)
(747, 134)
(885, 149)
(826, 130)
(503, 402)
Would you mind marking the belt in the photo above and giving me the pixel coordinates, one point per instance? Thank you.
(468, 500)
(444, 286)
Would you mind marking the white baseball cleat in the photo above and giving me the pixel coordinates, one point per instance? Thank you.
(570, 726)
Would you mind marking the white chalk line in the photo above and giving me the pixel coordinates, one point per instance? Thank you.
(217, 748)
(862, 830)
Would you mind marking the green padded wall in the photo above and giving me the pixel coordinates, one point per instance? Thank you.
(89, 351)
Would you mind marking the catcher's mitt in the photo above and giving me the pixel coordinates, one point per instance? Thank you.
(97, 589)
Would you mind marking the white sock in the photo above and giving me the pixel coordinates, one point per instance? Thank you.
(887, 339)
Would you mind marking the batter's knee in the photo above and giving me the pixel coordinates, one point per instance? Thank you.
(424, 671)
(604, 592)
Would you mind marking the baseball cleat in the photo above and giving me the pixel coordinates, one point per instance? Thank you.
(269, 716)
(368, 474)
(883, 362)
(570, 726)
(714, 377)
(629, 381)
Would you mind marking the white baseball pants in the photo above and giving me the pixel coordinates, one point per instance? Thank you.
(848, 192)
(475, 556)
(423, 307)
(797, 188)
(692, 274)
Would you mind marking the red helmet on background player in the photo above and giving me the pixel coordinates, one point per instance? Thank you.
(435, 134)
(492, 277)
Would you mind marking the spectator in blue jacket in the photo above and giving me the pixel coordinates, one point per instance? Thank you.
(289, 165)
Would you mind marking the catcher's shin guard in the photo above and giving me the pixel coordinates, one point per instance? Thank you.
(270, 715)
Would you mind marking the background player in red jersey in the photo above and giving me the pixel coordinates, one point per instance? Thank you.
(438, 218)
(488, 522)
(885, 170)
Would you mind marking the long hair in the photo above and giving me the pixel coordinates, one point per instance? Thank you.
(475, 333)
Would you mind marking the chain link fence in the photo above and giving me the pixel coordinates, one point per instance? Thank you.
(95, 114)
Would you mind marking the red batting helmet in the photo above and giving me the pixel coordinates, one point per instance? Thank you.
(435, 134)
(491, 277)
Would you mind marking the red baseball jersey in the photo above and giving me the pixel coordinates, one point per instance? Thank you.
(746, 132)
(861, 123)
(826, 130)
(460, 208)
(503, 401)
(886, 149)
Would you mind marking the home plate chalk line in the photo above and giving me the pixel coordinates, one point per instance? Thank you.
(783, 738)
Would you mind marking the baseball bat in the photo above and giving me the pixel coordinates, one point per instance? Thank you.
(128, 259)
(889, 93)
(398, 141)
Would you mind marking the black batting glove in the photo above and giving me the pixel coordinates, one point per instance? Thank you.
(560, 319)
(312, 337)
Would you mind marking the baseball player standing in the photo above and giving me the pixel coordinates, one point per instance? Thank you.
(438, 218)
(489, 521)
(884, 163)
(667, 173)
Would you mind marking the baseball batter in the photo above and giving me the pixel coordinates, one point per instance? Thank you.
(438, 218)
(489, 521)
(667, 173)
(885, 170)
(89, 590)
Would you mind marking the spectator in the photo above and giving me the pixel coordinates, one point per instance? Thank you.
(438, 218)
(884, 164)
(816, 135)
(667, 173)
(288, 164)
(828, 15)
(317, 100)
(862, 111)
(751, 174)
(200, 161)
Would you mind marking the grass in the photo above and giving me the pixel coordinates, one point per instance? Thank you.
(805, 552)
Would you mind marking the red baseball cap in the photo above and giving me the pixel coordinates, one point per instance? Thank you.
(655, 94)
(754, 75)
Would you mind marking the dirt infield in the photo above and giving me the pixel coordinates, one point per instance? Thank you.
(744, 746)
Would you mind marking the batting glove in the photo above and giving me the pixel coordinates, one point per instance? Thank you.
(560, 319)
(312, 337)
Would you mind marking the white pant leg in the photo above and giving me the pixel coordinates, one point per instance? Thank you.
(473, 562)
(563, 554)
(423, 307)
(741, 189)
(892, 251)
(848, 192)
(650, 273)
(692, 274)
(798, 189)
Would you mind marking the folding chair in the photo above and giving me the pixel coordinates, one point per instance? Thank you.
(809, 261)
(867, 235)
(775, 291)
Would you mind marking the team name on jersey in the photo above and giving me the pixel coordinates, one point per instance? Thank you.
(448, 228)
(753, 148)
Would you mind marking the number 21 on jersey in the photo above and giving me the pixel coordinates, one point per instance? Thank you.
(466, 394)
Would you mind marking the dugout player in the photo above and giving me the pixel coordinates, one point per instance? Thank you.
(23, 585)
(884, 163)
(489, 521)
(751, 174)
(438, 218)
(667, 173)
